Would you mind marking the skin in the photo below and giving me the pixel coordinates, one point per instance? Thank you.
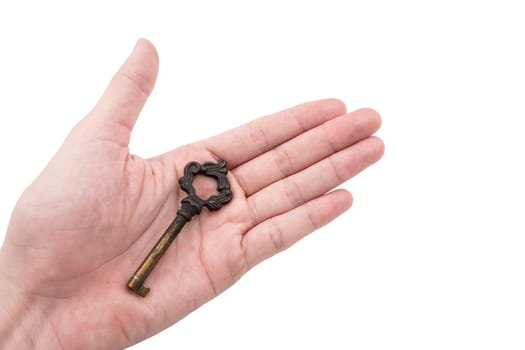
(85, 224)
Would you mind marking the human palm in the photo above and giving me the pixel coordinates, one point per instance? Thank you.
(86, 223)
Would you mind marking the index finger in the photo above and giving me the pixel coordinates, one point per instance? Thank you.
(252, 139)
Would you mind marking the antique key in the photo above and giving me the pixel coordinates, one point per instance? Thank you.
(190, 206)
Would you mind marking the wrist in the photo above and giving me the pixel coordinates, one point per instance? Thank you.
(23, 317)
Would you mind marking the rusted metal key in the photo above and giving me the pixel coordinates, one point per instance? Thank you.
(190, 206)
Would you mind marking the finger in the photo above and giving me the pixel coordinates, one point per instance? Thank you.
(295, 190)
(118, 109)
(245, 142)
(306, 149)
(280, 232)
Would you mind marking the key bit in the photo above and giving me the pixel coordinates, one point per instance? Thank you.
(190, 206)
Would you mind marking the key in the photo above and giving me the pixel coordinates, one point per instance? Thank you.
(190, 206)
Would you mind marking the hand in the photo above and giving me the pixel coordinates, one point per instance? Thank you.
(86, 223)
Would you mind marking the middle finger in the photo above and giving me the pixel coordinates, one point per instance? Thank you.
(306, 149)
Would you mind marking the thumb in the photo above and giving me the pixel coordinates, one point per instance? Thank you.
(119, 107)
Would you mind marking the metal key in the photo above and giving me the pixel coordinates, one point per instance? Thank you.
(190, 206)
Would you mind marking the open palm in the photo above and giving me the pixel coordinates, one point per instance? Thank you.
(85, 224)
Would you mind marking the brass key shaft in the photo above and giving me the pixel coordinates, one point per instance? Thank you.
(136, 282)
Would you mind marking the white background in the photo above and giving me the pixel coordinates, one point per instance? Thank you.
(432, 254)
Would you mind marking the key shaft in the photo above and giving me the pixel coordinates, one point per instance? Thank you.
(136, 282)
